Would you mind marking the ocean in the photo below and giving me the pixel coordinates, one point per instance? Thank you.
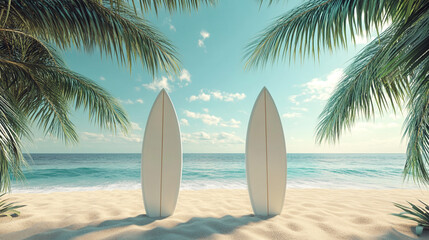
(85, 172)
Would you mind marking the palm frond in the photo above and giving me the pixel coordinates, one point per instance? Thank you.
(314, 26)
(417, 131)
(88, 24)
(361, 93)
(41, 102)
(409, 46)
(12, 127)
(414, 213)
(103, 108)
(172, 5)
(8, 209)
(406, 9)
(45, 88)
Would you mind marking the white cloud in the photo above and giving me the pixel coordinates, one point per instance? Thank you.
(170, 24)
(204, 34)
(137, 88)
(206, 118)
(228, 97)
(318, 88)
(129, 101)
(292, 115)
(293, 99)
(321, 89)
(169, 82)
(185, 76)
(206, 110)
(131, 138)
(102, 78)
(299, 109)
(371, 126)
(184, 122)
(223, 96)
(89, 136)
(212, 138)
(202, 96)
(98, 137)
(135, 126)
(158, 84)
(213, 120)
(231, 123)
(200, 43)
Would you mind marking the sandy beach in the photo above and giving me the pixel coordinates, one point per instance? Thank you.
(212, 214)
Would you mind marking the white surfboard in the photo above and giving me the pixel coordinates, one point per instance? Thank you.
(266, 157)
(161, 170)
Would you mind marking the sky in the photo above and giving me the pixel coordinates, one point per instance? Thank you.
(213, 95)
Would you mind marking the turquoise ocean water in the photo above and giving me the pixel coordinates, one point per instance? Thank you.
(82, 172)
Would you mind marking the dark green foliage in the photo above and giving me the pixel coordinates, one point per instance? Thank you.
(415, 213)
(391, 72)
(8, 209)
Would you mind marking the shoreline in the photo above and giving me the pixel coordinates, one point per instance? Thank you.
(221, 189)
(213, 214)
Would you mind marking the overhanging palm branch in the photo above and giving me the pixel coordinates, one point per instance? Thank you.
(361, 92)
(41, 89)
(417, 131)
(392, 70)
(88, 24)
(12, 127)
(44, 89)
(170, 5)
(409, 45)
(317, 25)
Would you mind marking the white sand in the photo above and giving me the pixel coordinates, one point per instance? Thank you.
(213, 214)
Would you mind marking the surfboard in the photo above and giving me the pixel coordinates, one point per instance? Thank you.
(266, 164)
(161, 168)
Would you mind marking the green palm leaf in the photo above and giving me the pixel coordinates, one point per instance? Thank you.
(391, 70)
(314, 26)
(417, 131)
(89, 24)
(414, 213)
(45, 89)
(361, 92)
(12, 127)
(8, 209)
(172, 5)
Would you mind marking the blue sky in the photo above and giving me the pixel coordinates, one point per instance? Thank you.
(214, 94)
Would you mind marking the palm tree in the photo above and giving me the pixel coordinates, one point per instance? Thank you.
(36, 86)
(391, 72)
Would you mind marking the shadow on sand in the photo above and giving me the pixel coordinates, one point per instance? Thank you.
(68, 233)
(194, 228)
(197, 228)
(395, 235)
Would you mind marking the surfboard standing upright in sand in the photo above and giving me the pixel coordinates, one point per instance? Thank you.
(266, 157)
(161, 170)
